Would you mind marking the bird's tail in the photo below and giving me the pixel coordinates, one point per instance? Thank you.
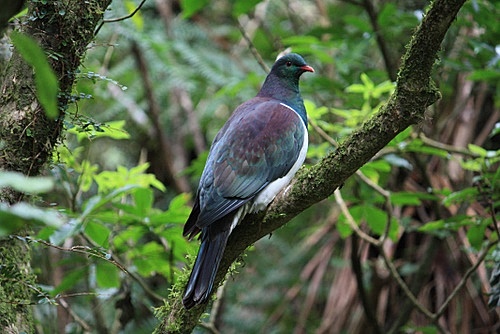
(207, 262)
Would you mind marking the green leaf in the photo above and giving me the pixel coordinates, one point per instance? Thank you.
(492, 75)
(442, 227)
(69, 280)
(109, 180)
(418, 146)
(382, 88)
(478, 150)
(476, 236)
(149, 258)
(387, 14)
(107, 275)
(400, 139)
(300, 40)
(87, 172)
(143, 199)
(99, 233)
(375, 218)
(17, 216)
(177, 213)
(356, 88)
(46, 82)
(191, 7)
(67, 230)
(343, 227)
(410, 198)
(111, 129)
(356, 21)
(465, 195)
(436, 228)
(474, 165)
(369, 84)
(129, 237)
(314, 112)
(243, 6)
(25, 184)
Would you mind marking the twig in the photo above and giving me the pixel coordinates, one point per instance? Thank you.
(387, 195)
(117, 19)
(350, 220)
(85, 326)
(214, 312)
(180, 183)
(323, 134)
(450, 148)
(253, 50)
(404, 287)
(390, 65)
(91, 252)
(462, 282)
(126, 16)
(114, 260)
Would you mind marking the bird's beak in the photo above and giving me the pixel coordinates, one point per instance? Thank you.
(307, 68)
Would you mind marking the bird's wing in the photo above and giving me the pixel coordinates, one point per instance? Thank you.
(259, 144)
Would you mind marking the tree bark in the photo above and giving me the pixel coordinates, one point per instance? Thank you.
(414, 92)
(27, 136)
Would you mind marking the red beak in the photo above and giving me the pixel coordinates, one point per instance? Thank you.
(307, 68)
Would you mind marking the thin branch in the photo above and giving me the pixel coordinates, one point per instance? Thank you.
(123, 18)
(404, 287)
(442, 146)
(350, 220)
(214, 312)
(464, 279)
(89, 251)
(389, 62)
(253, 49)
(323, 133)
(180, 183)
(83, 324)
(119, 18)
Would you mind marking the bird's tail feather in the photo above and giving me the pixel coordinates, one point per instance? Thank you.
(202, 276)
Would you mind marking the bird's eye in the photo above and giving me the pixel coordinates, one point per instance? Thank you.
(288, 63)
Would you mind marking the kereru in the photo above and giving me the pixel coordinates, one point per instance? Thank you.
(253, 157)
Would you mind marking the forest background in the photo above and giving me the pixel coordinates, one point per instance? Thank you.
(408, 244)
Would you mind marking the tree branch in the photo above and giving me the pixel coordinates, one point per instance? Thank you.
(414, 93)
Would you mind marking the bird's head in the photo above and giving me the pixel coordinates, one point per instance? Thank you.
(290, 66)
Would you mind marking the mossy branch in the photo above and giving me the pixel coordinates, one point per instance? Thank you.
(414, 92)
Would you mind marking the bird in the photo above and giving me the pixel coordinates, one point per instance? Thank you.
(252, 158)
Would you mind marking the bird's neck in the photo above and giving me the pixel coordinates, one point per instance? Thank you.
(286, 91)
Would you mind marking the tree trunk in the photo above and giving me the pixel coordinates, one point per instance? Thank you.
(27, 136)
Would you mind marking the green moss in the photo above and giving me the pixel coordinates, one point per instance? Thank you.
(15, 292)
